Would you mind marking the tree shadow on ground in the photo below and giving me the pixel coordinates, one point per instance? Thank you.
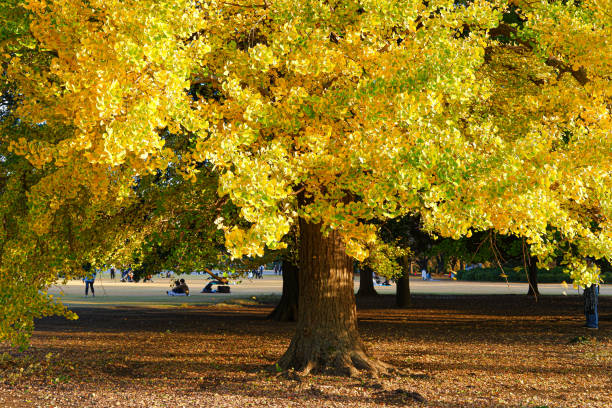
(459, 348)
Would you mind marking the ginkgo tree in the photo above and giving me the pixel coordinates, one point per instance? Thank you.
(476, 115)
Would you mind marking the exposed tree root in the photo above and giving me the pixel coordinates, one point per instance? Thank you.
(351, 362)
(326, 337)
(285, 311)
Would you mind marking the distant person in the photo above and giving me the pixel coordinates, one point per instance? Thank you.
(184, 287)
(424, 274)
(89, 282)
(112, 273)
(590, 307)
(376, 279)
(127, 275)
(208, 288)
(260, 272)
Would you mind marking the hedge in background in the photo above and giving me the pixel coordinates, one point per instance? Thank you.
(553, 275)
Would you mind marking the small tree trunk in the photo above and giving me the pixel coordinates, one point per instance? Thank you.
(423, 264)
(286, 310)
(366, 282)
(402, 291)
(441, 264)
(532, 277)
(326, 334)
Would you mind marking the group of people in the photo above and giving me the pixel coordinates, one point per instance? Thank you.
(180, 286)
(277, 269)
(380, 281)
(127, 275)
(180, 289)
(257, 273)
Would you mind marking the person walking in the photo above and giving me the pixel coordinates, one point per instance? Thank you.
(112, 273)
(89, 282)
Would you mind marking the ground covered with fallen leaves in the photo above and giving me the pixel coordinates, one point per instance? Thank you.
(453, 351)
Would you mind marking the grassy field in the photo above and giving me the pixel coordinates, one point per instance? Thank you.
(153, 294)
(468, 351)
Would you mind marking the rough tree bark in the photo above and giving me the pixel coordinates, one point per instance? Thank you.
(286, 310)
(366, 282)
(402, 291)
(532, 276)
(326, 335)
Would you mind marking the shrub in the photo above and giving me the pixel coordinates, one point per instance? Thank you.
(553, 275)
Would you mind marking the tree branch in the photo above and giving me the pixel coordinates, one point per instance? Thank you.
(506, 30)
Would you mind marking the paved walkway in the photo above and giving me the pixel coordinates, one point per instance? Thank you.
(110, 293)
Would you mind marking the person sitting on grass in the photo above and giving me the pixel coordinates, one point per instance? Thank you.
(208, 288)
(180, 289)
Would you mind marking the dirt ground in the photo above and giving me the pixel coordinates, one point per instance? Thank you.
(454, 351)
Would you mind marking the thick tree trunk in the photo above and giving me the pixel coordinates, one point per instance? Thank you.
(366, 282)
(402, 290)
(326, 334)
(286, 310)
(532, 277)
